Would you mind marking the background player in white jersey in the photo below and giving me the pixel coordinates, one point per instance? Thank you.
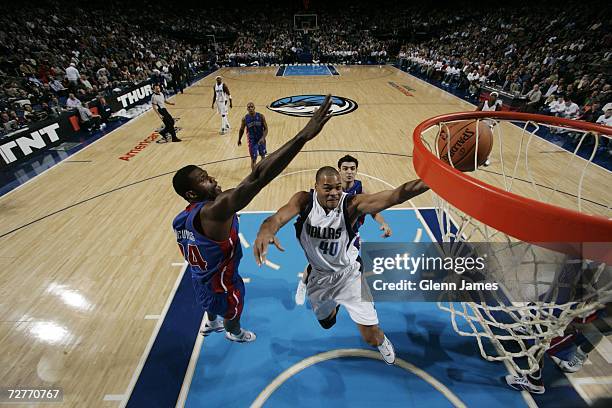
(222, 97)
(326, 231)
(491, 104)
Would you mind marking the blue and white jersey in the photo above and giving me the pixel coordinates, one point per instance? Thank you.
(327, 238)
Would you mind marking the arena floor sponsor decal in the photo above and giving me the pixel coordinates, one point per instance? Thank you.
(305, 105)
(405, 89)
(139, 147)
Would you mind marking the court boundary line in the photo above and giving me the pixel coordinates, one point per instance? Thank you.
(193, 362)
(152, 338)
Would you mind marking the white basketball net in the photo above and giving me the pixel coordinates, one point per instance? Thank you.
(550, 297)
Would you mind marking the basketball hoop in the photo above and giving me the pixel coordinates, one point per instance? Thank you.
(543, 206)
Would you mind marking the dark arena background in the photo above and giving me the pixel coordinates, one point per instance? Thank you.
(102, 102)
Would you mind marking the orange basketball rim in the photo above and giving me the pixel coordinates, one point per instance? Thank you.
(525, 219)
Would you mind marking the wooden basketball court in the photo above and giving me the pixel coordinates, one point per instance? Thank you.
(88, 258)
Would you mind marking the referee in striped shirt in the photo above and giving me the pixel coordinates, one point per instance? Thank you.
(159, 106)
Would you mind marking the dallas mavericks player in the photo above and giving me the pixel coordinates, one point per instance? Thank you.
(325, 229)
(257, 130)
(222, 96)
(207, 230)
(490, 105)
(347, 166)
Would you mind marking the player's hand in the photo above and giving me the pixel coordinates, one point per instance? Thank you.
(212, 106)
(260, 248)
(239, 142)
(319, 119)
(387, 230)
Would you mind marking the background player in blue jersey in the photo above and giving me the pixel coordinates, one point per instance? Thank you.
(207, 230)
(347, 167)
(257, 130)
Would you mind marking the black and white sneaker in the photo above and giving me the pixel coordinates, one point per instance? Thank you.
(524, 383)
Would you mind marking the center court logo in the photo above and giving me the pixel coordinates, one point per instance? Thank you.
(305, 105)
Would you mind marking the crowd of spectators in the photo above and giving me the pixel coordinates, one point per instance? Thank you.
(547, 52)
(559, 65)
(57, 58)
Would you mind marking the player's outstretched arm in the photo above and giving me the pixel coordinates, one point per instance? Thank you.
(231, 201)
(374, 203)
(267, 232)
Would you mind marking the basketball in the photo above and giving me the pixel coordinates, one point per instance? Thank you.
(463, 144)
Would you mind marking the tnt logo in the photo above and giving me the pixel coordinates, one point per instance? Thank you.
(26, 145)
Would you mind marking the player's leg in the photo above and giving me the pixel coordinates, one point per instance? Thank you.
(323, 305)
(364, 315)
(164, 133)
(329, 321)
(581, 346)
(169, 125)
(222, 112)
(224, 117)
(252, 151)
(230, 305)
(357, 299)
(209, 303)
(375, 337)
(261, 147)
(532, 382)
(211, 324)
(372, 334)
(300, 292)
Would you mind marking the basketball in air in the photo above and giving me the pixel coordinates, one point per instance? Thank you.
(464, 154)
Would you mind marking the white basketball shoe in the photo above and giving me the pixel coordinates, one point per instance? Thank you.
(212, 327)
(245, 336)
(300, 293)
(387, 351)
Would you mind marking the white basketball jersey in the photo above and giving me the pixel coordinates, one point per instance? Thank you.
(327, 239)
(487, 108)
(221, 97)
